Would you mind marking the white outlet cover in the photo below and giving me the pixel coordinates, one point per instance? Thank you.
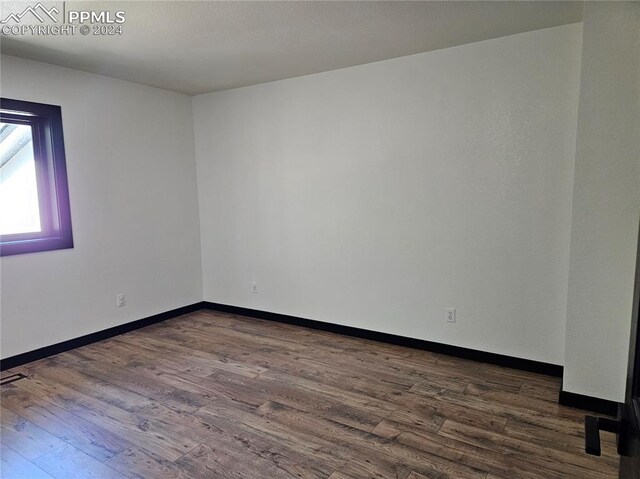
(451, 315)
(121, 300)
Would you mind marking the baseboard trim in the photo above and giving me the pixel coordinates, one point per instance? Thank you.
(459, 352)
(41, 353)
(601, 406)
(588, 403)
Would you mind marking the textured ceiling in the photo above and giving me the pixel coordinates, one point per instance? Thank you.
(198, 47)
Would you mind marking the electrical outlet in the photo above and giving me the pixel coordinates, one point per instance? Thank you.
(121, 300)
(254, 287)
(451, 315)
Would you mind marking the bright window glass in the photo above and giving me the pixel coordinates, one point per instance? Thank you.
(19, 207)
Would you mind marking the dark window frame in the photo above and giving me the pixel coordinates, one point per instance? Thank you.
(51, 177)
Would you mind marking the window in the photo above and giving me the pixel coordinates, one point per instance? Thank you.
(34, 196)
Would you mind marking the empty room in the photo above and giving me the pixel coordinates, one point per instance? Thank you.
(319, 239)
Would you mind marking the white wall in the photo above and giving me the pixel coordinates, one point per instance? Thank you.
(606, 202)
(131, 171)
(379, 195)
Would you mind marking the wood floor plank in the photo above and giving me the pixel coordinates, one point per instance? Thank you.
(71, 463)
(216, 461)
(15, 466)
(142, 385)
(413, 407)
(223, 429)
(340, 475)
(416, 475)
(549, 458)
(546, 393)
(573, 444)
(133, 427)
(331, 393)
(84, 435)
(26, 438)
(59, 372)
(483, 373)
(139, 463)
(500, 409)
(307, 444)
(380, 453)
(468, 454)
(353, 417)
(189, 360)
(522, 402)
(216, 395)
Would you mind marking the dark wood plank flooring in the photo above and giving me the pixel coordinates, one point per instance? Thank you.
(211, 395)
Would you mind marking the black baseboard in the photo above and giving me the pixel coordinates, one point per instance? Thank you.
(459, 352)
(589, 403)
(601, 406)
(47, 351)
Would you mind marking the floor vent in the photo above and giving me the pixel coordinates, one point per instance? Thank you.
(12, 378)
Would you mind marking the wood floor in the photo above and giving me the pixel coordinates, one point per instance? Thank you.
(210, 395)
